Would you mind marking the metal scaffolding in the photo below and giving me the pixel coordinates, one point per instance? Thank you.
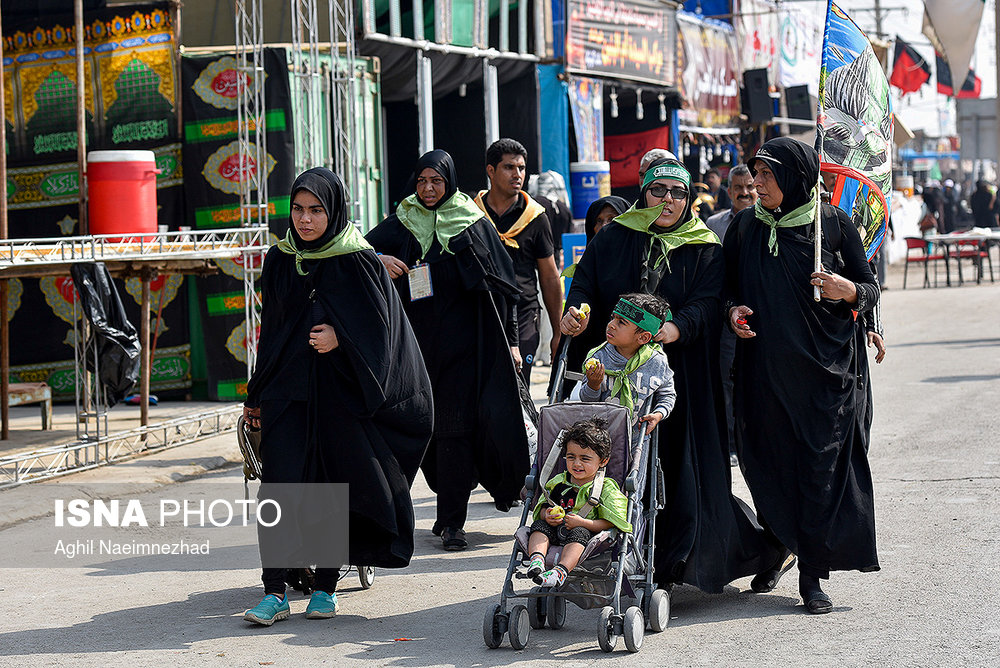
(307, 84)
(344, 96)
(252, 138)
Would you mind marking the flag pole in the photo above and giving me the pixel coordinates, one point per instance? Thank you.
(820, 118)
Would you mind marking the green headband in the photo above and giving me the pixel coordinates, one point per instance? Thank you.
(641, 318)
(667, 171)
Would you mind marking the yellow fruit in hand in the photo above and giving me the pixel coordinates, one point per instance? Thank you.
(590, 364)
(557, 513)
(583, 311)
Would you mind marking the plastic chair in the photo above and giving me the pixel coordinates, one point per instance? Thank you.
(924, 256)
(975, 251)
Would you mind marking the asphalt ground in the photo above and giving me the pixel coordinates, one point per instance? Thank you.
(936, 467)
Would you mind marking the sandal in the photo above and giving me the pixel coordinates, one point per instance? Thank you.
(766, 581)
(453, 540)
(815, 599)
(818, 603)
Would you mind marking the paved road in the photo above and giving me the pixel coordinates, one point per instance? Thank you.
(936, 465)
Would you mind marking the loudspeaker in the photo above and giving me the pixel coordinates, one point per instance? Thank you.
(798, 102)
(757, 103)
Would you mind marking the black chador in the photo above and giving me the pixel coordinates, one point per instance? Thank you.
(361, 413)
(799, 400)
(459, 320)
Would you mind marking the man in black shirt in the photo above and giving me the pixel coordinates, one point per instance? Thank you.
(525, 231)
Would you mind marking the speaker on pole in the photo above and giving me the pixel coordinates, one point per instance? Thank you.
(798, 102)
(757, 104)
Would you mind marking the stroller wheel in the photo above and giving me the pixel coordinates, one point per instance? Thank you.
(634, 627)
(537, 609)
(659, 610)
(519, 629)
(557, 612)
(492, 635)
(366, 574)
(606, 636)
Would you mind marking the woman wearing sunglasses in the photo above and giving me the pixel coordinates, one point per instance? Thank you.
(704, 536)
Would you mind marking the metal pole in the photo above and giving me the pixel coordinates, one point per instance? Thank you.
(144, 356)
(996, 29)
(4, 329)
(81, 118)
(175, 16)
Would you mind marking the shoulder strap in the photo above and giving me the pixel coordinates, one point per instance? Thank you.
(594, 499)
(550, 463)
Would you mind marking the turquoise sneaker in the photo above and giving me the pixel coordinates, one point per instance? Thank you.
(270, 610)
(321, 605)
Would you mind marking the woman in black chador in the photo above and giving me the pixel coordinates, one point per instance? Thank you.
(457, 285)
(340, 390)
(704, 536)
(799, 400)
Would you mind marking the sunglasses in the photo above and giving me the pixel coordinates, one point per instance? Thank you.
(660, 191)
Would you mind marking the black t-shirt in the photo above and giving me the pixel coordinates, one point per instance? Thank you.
(560, 219)
(534, 243)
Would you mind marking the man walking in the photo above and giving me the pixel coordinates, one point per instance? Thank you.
(525, 230)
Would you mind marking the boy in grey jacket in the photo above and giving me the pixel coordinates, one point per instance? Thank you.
(629, 368)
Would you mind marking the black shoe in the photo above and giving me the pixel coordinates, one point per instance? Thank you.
(437, 529)
(453, 540)
(766, 581)
(815, 599)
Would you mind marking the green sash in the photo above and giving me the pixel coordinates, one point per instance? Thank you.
(447, 221)
(693, 231)
(622, 388)
(350, 240)
(800, 216)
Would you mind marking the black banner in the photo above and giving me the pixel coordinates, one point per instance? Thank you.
(129, 69)
(626, 39)
(212, 185)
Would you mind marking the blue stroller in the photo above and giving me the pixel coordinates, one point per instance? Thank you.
(615, 568)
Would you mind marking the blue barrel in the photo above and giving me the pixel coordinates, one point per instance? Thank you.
(588, 181)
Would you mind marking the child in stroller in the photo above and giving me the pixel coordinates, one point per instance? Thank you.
(563, 515)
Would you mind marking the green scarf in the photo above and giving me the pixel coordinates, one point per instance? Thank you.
(622, 388)
(800, 216)
(349, 240)
(447, 221)
(693, 231)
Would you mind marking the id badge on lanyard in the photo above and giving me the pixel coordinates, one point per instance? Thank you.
(420, 282)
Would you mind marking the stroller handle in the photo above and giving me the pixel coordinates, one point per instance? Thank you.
(560, 362)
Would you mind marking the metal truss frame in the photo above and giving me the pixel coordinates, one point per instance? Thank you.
(188, 245)
(58, 460)
(252, 143)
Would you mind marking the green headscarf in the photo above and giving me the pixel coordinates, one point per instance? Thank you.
(693, 231)
(622, 388)
(340, 236)
(803, 215)
(448, 220)
(350, 240)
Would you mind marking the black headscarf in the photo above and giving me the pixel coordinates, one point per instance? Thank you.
(329, 190)
(617, 203)
(442, 163)
(641, 204)
(796, 170)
